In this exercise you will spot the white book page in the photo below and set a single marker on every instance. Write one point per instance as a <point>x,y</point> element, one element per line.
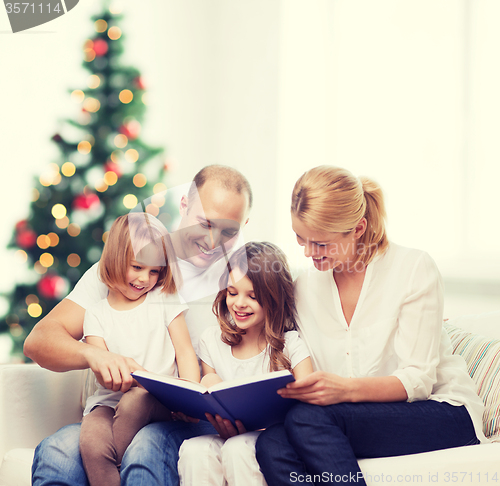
<point>180,382</point>
<point>250,379</point>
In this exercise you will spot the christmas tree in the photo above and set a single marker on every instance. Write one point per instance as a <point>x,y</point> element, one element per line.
<point>104,170</point>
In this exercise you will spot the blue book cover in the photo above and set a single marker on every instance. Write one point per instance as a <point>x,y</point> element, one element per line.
<point>253,400</point>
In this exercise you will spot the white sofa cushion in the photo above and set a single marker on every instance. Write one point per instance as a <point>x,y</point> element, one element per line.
<point>16,467</point>
<point>469,465</point>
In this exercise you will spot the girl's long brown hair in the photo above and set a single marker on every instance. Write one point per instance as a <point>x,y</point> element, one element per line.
<point>266,267</point>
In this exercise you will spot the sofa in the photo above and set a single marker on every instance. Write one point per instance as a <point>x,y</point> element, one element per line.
<point>35,402</point>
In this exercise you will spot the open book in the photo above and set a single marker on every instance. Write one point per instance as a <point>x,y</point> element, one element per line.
<point>252,400</point>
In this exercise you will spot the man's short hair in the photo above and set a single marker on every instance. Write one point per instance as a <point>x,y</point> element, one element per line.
<point>227,177</point>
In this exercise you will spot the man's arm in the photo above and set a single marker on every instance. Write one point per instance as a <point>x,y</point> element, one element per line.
<point>54,343</point>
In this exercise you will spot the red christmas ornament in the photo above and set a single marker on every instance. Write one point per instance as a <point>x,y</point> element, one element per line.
<point>139,83</point>
<point>86,201</point>
<point>52,286</point>
<point>26,238</point>
<point>110,166</point>
<point>100,47</point>
<point>131,129</point>
<point>21,225</point>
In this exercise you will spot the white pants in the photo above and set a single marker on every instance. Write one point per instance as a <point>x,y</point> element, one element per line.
<point>209,460</point>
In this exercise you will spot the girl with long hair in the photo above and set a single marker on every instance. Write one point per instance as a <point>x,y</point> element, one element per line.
<point>256,314</point>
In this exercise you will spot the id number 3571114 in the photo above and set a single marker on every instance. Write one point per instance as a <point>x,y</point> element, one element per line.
<point>27,8</point>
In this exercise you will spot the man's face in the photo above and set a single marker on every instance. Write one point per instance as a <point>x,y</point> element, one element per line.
<point>210,221</point>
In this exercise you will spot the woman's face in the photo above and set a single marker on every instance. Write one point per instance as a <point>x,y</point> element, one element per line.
<point>328,250</point>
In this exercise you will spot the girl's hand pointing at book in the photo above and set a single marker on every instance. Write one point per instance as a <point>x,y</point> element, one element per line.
<point>224,427</point>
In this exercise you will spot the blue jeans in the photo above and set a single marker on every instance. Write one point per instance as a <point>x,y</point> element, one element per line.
<point>326,441</point>
<point>150,459</point>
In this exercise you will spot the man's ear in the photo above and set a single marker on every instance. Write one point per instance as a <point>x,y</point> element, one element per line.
<point>183,207</point>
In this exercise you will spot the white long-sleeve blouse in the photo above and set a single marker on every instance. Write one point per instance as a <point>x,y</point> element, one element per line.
<point>396,329</point>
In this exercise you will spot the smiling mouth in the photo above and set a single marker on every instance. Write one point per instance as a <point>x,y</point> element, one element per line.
<point>137,287</point>
<point>207,252</point>
<point>243,314</point>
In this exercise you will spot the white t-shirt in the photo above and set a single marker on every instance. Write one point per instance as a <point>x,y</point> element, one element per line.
<point>89,290</point>
<point>219,355</point>
<point>396,329</point>
<point>140,333</point>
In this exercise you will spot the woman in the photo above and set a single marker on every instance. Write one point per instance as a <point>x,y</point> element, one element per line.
<point>386,382</point>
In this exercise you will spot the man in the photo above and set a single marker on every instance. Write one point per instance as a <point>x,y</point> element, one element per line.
<point>222,204</point>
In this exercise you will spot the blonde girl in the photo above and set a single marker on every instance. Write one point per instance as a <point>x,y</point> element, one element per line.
<point>256,314</point>
<point>141,319</point>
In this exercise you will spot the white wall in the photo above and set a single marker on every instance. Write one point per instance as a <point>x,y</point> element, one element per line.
<point>401,91</point>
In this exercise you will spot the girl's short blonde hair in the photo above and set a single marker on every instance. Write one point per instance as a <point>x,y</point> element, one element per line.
<point>142,237</point>
<point>332,200</point>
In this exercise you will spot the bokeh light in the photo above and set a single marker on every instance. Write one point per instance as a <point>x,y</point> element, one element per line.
<point>31,299</point>
<point>54,239</point>
<point>100,25</point>
<point>68,169</point>
<point>93,81</point>
<point>114,33</point>
<point>159,187</point>
<point>126,96</point>
<point>35,310</point>
<point>39,268</point>
<point>92,105</point>
<point>43,242</point>
<point>84,147</point>
<point>58,211</point>
<point>139,180</point>
<point>152,209</point>
<point>88,55</point>
<point>132,156</point>
<point>77,96</point>
<point>46,260</point>
<point>130,201</point>
<point>120,141</point>
<point>73,230</point>
<point>63,222</point>
<point>110,178</point>
<point>22,256</point>
<point>101,185</point>
<point>73,260</point>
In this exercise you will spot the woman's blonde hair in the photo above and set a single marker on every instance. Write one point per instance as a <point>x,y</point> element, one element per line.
<point>332,200</point>
<point>266,267</point>
<point>142,237</point>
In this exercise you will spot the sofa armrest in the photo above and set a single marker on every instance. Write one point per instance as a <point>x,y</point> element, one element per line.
<point>35,403</point>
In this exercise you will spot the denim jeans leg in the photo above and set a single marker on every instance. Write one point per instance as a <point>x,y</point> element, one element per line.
<point>329,439</point>
<point>151,458</point>
<point>57,460</point>
<point>277,458</point>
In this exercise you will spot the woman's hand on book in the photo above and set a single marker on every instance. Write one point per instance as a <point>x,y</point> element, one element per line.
<point>224,426</point>
<point>319,388</point>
